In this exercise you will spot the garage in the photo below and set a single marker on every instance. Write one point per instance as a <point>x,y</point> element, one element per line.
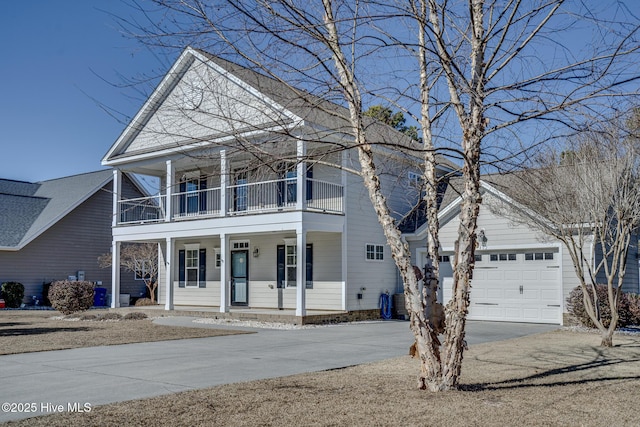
<point>521,285</point>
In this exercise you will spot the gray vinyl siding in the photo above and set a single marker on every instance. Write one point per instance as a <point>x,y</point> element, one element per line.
<point>630,283</point>
<point>73,244</point>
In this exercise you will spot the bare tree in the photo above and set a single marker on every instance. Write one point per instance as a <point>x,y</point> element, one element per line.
<point>587,196</point>
<point>140,259</point>
<point>481,73</point>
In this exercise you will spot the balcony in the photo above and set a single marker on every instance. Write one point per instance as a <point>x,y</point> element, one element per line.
<point>242,199</point>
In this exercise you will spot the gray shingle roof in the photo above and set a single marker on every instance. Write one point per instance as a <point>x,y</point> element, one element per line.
<point>28,209</point>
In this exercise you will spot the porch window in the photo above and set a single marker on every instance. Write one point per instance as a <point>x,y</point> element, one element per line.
<point>287,266</point>
<point>193,198</point>
<point>240,196</point>
<point>374,252</point>
<point>192,267</point>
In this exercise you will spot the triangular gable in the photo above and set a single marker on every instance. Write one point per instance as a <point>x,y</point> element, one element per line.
<point>197,101</point>
<point>51,202</point>
<point>448,212</point>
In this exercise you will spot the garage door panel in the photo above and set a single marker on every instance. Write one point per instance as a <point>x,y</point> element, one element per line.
<point>495,288</point>
<point>494,293</point>
<point>550,275</point>
<point>479,274</point>
<point>530,314</point>
<point>549,295</point>
<point>512,294</point>
<point>494,275</point>
<point>549,314</point>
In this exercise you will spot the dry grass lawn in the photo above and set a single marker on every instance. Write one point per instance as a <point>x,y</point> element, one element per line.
<point>31,330</point>
<point>560,378</point>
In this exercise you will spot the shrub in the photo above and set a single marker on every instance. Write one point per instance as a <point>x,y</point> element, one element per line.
<point>634,308</point>
<point>109,316</point>
<point>136,315</point>
<point>88,317</point>
<point>13,293</point>
<point>144,301</point>
<point>575,306</point>
<point>69,297</point>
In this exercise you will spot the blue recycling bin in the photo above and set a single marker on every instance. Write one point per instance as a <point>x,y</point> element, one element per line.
<point>100,297</point>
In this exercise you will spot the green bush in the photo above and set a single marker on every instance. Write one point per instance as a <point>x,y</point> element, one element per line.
<point>69,297</point>
<point>575,306</point>
<point>12,293</point>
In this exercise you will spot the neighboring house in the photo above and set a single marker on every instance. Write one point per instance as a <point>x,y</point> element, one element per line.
<point>234,229</point>
<point>55,229</point>
<point>520,275</point>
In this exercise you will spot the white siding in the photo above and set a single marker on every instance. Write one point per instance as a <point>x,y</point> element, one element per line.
<point>362,228</point>
<point>222,106</point>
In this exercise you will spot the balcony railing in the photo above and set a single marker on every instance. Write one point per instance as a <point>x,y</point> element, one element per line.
<point>258,197</point>
<point>196,203</point>
<point>143,209</point>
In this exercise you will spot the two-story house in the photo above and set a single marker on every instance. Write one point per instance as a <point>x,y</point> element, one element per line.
<point>260,202</point>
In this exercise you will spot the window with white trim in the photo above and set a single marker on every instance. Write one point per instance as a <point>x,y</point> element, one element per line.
<point>239,244</point>
<point>538,256</point>
<point>192,263</point>
<point>291,265</point>
<point>374,252</point>
<point>503,257</point>
<point>218,258</point>
<point>415,179</point>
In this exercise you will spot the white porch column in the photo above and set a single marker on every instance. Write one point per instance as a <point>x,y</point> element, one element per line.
<point>224,176</point>
<point>168,261</point>
<point>168,192</point>
<point>225,273</point>
<point>117,189</point>
<point>115,274</point>
<point>301,284</point>
<point>301,175</point>
<point>343,182</point>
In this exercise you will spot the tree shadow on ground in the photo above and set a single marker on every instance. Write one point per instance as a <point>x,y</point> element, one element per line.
<point>12,332</point>
<point>600,360</point>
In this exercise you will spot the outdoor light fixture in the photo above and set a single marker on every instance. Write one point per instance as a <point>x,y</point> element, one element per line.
<point>483,239</point>
<point>256,252</point>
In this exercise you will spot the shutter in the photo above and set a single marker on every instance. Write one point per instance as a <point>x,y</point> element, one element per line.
<point>183,198</point>
<point>202,273</point>
<point>309,267</point>
<point>281,184</point>
<point>203,194</point>
<point>280,267</point>
<point>181,268</point>
<point>309,195</point>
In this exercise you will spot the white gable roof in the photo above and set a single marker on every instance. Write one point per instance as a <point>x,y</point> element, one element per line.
<point>197,101</point>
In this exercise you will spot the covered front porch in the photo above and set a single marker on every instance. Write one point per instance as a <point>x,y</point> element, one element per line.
<point>242,265</point>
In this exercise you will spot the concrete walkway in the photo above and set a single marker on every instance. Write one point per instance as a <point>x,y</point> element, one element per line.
<point>101,375</point>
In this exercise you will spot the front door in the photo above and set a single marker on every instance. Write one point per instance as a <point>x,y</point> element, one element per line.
<point>239,278</point>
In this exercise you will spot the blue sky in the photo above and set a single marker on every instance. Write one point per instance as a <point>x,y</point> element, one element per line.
<point>58,59</point>
<point>56,56</point>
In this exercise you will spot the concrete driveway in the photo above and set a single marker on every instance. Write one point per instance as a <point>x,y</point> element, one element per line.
<point>42,383</point>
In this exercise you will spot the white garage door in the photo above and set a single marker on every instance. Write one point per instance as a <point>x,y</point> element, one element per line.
<point>513,286</point>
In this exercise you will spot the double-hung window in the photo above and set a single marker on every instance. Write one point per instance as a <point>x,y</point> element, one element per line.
<point>287,266</point>
<point>192,267</point>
